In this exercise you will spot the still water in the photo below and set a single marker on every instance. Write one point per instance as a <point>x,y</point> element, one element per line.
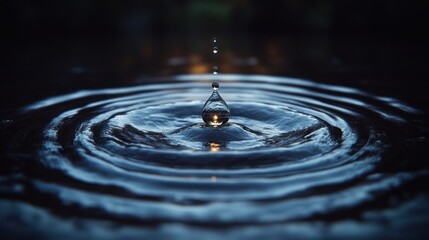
<point>296,158</point>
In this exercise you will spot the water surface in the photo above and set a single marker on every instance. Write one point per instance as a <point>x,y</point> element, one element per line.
<point>296,158</point>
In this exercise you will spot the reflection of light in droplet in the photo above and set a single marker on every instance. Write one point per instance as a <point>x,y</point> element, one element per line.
<point>215,50</point>
<point>215,70</point>
<point>214,147</point>
<point>215,121</point>
<point>213,179</point>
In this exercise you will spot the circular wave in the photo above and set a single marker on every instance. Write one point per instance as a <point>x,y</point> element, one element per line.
<point>292,150</point>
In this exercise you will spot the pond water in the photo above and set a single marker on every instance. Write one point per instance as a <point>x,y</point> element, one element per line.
<point>296,158</point>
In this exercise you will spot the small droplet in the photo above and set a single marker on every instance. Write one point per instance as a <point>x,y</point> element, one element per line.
<point>215,85</point>
<point>215,50</point>
<point>215,70</point>
<point>214,39</point>
<point>215,111</point>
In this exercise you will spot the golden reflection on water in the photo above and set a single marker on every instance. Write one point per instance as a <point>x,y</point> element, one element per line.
<point>214,147</point>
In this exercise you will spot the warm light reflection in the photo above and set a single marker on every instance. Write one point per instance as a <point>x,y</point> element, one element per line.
<point>214,147</point>
<point>213,179</point>
<point>215,121</point>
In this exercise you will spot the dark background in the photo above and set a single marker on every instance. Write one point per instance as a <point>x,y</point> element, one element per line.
<point>54,47</point>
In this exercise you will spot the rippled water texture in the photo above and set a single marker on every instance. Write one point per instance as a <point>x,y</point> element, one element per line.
<point>296,158</point>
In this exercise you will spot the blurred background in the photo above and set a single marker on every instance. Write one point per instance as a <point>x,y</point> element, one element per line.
<point>55,47</point>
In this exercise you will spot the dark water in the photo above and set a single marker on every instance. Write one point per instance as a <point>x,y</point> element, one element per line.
<point>296,159</point>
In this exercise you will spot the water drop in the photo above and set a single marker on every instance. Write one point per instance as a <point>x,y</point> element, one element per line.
<point>215,70</point>
<point>214,39</point>
<point>215,50</point>
<point>215,111</point>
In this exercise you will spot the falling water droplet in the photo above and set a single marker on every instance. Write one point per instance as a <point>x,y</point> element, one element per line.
<point>215,111</point>
<point>214,39</point>
<point>215,70</point>
<point>215,50</point>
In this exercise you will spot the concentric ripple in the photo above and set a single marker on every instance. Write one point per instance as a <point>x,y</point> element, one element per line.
<point>293,150</point>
